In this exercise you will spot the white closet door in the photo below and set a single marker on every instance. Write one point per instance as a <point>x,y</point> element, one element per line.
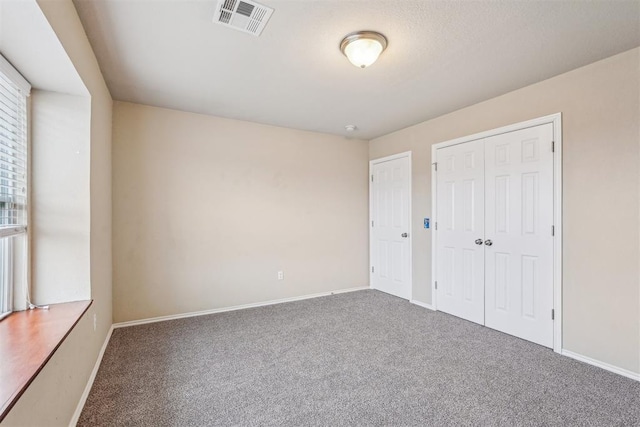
<point>518,233</point>
<point>460,213</point>
<point>390,215</point>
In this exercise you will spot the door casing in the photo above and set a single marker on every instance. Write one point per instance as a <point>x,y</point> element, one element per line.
<point>371,241</point>
<point>556,120</point>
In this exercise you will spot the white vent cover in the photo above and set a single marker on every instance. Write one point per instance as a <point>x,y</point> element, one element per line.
<point>243,15</point>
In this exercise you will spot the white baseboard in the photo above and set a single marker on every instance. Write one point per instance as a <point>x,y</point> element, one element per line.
<point>422,304</point>
<point>603,365</point>
<point>233,308</point>
<point>92,377</point>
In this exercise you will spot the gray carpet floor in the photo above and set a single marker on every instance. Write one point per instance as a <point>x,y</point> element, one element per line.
<point>362,358</point>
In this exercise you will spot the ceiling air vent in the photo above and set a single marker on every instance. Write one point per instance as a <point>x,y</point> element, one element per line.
<point>243,15</point>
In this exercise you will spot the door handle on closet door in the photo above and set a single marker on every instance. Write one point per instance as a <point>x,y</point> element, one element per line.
<point>478,241</point>
<point>488,242</point>
<point>404,235</point>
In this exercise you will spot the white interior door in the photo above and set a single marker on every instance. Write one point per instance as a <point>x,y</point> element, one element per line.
<point>460,205</point>
<point>390,254</point>
<point>518,233</point>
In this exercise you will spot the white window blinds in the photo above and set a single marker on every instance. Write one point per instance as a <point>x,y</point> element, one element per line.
<point>13,150</point>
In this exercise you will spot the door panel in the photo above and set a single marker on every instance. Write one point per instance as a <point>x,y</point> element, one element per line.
<point>390,215</point>
<point>460,262</point>
<point>519,211</point>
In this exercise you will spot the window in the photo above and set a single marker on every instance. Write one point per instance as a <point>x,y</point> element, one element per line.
<point>14,163</point>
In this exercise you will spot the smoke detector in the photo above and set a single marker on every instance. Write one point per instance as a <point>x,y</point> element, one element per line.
<point>243,15</point>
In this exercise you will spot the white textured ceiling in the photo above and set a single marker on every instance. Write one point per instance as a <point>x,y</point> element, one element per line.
<point>29,43</point>
<point>442,56</point>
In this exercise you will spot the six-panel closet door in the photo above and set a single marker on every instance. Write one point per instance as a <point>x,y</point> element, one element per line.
<point>494,251</point>
<point>460,254</point>
<point>519,221</point>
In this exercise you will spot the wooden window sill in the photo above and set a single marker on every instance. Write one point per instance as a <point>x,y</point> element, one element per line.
<point>28,339</point>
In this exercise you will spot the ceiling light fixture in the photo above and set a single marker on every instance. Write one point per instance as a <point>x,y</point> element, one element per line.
<point>350,128</point>
<point>363,48</point>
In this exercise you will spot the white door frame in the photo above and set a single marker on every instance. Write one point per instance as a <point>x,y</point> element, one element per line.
<point>556,120</point>
<point>371,163</point>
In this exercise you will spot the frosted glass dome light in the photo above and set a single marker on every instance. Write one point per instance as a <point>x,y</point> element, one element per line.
<point>363,48</point>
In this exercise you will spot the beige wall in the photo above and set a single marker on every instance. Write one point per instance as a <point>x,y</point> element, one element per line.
<point>52,398</point>
<point>600,106</point>
<point>60,209</point>
<point>206,211</point>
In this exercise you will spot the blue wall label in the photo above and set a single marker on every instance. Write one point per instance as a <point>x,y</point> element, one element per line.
<point>426,223</point>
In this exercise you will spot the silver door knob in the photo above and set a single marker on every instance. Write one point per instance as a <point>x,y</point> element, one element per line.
<point>405,235</point>
<point>478,241</point>
<point>488,242</point>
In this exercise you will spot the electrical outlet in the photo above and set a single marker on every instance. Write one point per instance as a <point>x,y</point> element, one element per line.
<point>280,275</point>
<point>95,322</point>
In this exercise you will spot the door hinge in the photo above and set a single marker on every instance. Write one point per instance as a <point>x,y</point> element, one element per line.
<point>436,285</point>
<point>371,178</point>
<point>553,314</point>
<point>373,269</point>
<point>553,230</point>
<point>435,225</point>
<point>372,223</point>
<point>436,166</point>
<point>553,146</point>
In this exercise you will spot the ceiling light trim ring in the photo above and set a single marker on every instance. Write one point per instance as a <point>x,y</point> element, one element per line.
<point>357,35</point>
